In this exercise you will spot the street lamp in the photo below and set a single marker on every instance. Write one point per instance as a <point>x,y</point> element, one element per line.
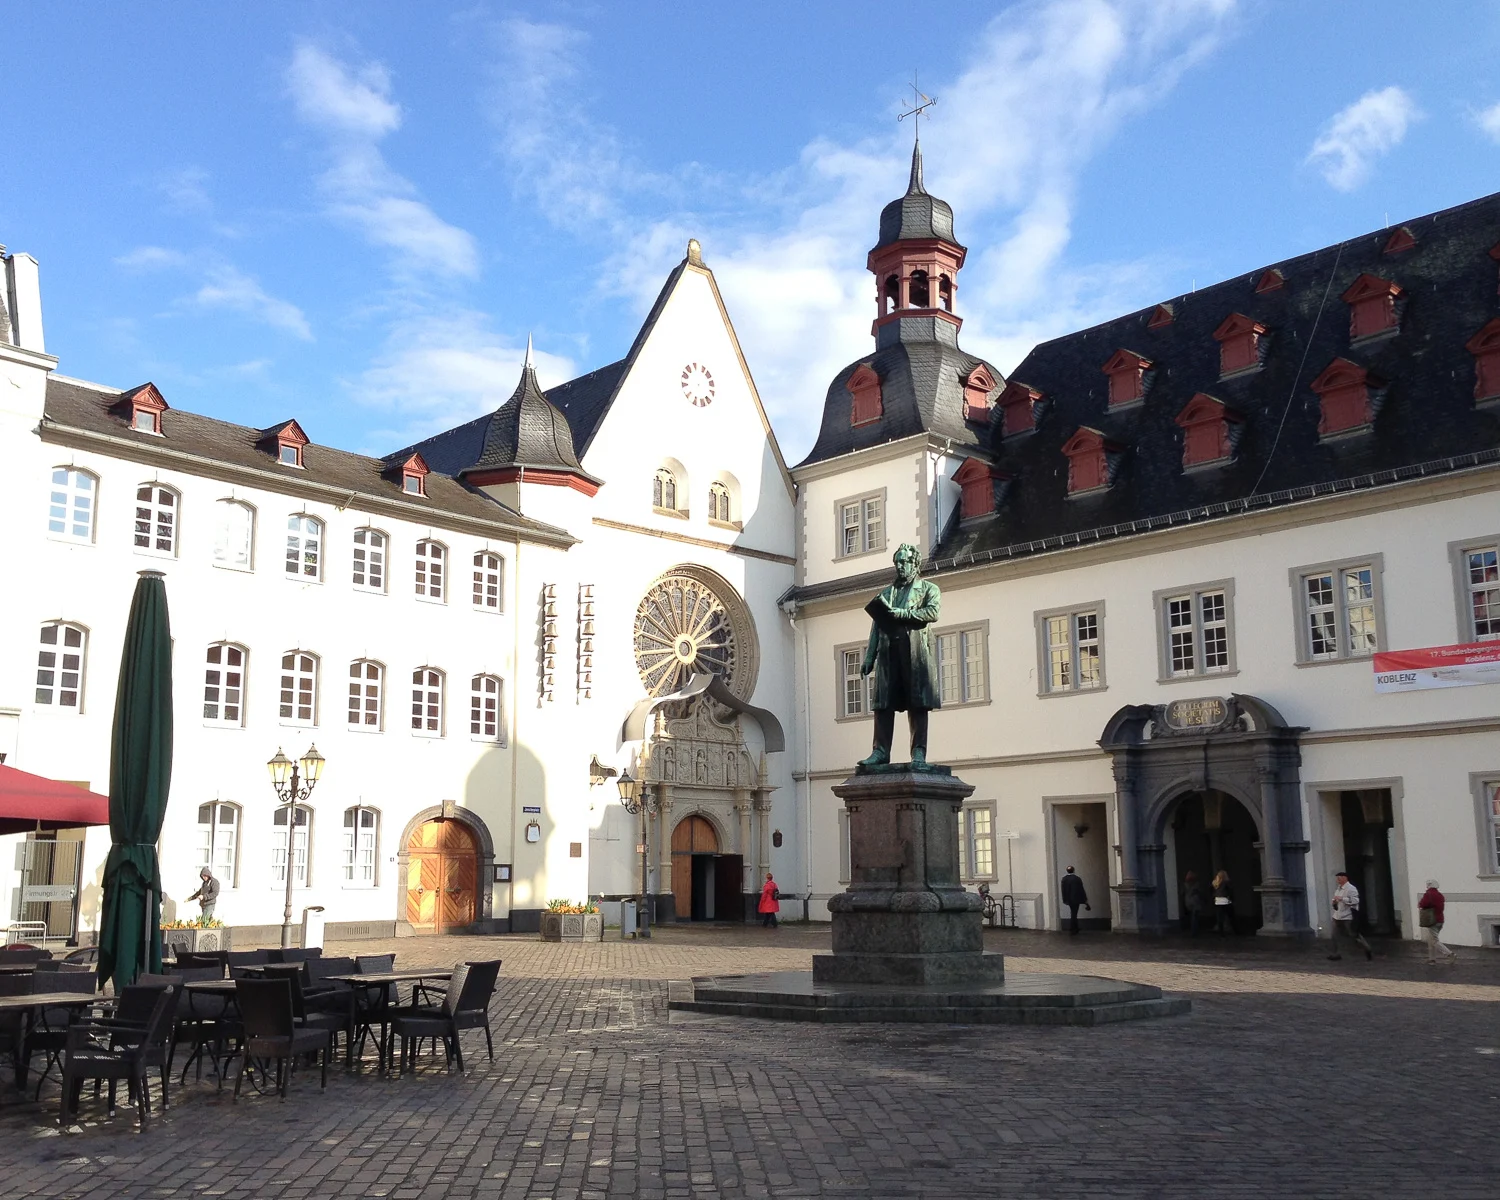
<point>632,796</point>
<point>294,782</point>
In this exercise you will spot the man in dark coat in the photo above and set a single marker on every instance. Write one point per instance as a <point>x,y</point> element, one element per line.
<point>900,654</point>
<point>1072,896</point>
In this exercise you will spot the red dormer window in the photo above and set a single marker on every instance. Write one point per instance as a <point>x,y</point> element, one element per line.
<point>864,391</point>
<point>289,443</point>
<point>1399,241</point>
<point>1127,376</point>
<point>1208,431</point>
<point>146,407</point>
<point>414,472</point>
<point>1485,347</point>
<point>977,388</point>
<point>1344,396</point>
<point>1020,407</point>
<point>1372,305</point>
<point>1270,279</point>
<point>1239,343</point>
<point>1160,315</point>
<point>977,481</point>
<point>1091,461</point>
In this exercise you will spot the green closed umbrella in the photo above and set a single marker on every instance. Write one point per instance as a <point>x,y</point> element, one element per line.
<point>140,774</point>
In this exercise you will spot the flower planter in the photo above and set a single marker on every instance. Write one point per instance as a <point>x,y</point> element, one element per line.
<point>572,927</point>
<point>196,941</point>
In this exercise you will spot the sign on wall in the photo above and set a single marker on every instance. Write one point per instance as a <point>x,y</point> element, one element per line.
<point>1205,712</point>
<point>1437,667</point>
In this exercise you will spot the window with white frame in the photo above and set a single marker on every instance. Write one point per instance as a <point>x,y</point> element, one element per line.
<point>59,665</point>
<point>72,503</point>
<point>301,835</point>
<point>219,840</point>
<point>855,690</point>
<point>366,693</point>
<point>156,510</point>
<point>718,502</point>
<point>304,547</point>
<point>1338,610</point>
<point>361,834</point>
<point>427,702</point>
<point>487,708</point>
<point>664,490</point>
<point>1071,644</point>
<point>978,834</point>
<point>1196,627</point>
<point>369,560</point>
<point>1489,817</point>
<point>1479,591</point>
<point>224,685</point>
<point>234,535</point>
<point>861,525</point>
<point>299,688</point>
<point>962,674</point>
<point>488,578</point>
<point>431,556</point>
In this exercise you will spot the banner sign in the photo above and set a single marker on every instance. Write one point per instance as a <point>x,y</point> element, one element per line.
<point>1438,667</point>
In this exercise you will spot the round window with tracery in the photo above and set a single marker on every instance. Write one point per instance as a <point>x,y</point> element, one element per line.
<point>684,626</point>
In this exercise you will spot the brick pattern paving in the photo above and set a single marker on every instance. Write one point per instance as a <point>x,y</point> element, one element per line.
<point>1293,1077</point>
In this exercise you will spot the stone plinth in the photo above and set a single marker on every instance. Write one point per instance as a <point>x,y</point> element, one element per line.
<point>905,920</point>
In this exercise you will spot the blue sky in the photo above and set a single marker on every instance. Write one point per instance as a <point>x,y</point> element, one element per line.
<point>355,214</point>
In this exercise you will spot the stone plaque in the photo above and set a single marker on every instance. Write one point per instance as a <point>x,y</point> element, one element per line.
<point>1206,712</point>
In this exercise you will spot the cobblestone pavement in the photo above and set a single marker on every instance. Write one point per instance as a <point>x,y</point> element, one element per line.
<point>1292,1077</point>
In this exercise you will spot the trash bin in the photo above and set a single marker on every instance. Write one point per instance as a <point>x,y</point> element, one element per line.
<point>628,912</point>
<point>312,927</point>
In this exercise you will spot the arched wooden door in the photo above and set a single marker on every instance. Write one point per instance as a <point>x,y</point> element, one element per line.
<point>442,876</point>
<point>693,835</point>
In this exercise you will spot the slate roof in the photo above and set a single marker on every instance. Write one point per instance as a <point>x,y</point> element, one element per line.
<point>1427,412</point>
<point>74,405</point>
<point>916,214</point>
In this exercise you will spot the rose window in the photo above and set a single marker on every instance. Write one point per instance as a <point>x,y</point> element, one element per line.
<point>683,628</point>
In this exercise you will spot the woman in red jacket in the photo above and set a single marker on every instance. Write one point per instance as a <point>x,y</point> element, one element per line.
<point>769,905</point>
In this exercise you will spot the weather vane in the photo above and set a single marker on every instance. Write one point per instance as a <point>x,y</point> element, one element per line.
<point>919,105</point>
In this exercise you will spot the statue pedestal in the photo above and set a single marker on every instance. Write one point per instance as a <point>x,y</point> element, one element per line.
<point>905,920</point>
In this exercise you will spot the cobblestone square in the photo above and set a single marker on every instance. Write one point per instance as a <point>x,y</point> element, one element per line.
<point>1293,1076</point>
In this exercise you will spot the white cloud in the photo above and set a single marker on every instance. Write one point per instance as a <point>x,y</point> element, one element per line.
<point>1346,150</point>
<point>152,258</point>
<point>228,287</point>
<point>1488,120</point>
<point>186,190</point>
<point>352,107</point>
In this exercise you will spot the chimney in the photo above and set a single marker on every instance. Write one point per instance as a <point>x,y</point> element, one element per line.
<point>23,304</point>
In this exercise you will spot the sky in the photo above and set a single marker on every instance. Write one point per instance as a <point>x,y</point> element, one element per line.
<point>355,215</point>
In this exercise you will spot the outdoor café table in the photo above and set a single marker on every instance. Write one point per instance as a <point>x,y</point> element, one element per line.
<point>30,1006</point>
<point>210,987</point>
<point>392,978</point>
<point>26,968</point>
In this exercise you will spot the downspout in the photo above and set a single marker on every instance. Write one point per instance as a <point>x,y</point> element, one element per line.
<point>807,876</point>
<point>515,735</point>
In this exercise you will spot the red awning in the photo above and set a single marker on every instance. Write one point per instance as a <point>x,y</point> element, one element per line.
<point>26,800</point>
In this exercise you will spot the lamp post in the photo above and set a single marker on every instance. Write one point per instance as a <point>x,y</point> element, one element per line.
<point>633,797</point>
<point>294,782</point>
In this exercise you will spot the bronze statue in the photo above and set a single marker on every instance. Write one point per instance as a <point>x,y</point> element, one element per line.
<point>900,654</point>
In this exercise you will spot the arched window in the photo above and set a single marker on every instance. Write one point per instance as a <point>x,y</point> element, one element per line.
<point>156,518</point>
<point>431,556</point>
<point>234,535</point>
<point>361,845</point>
<point>945,293</point>
<point>224,685</point>
<point>299,688</point>
<point>489,578</point>
<point>219,841</point>
<point>73,502</point>
<point>427,702</point>
<point>718,502</point>
<point>664,490</point>
<point>369,560</point>
<point>487,708</point>
<point>891,295</point>
<point>59,665</point>
<point>919,292</point>
<point>366,695</point>
<point>304,547</point>
<point>301,836</point>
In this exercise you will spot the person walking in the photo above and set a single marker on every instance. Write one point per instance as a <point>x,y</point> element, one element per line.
<point>1345,914</point>
<point>1430,921</point>
<point>207,894</point>
<point>1072,896</point>
<point>1223,905</point>
<point>1192,901</point>
<point>770,903</point>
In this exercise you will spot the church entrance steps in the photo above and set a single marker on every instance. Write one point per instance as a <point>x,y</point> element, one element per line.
<point>1022,999</point>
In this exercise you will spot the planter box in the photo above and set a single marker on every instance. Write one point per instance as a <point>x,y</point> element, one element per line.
<point>572,927</point>
<point>196,941</point>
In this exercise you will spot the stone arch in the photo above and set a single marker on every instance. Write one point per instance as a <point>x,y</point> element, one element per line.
<point>484,905</point>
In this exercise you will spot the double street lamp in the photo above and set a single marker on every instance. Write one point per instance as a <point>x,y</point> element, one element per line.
<point>294,782</point>
<point>633,797</point>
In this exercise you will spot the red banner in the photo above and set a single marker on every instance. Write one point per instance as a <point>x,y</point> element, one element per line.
<point>1438,667</point>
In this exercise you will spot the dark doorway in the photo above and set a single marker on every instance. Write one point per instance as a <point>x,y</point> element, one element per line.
<point>1213,832</point>
<point>729,901</point>
<point>1367,820</point>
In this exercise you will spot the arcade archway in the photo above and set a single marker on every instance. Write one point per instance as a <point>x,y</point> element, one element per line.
<point>1208,832</point>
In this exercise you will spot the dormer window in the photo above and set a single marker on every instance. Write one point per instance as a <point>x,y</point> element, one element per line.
<point>1127,377</point>
<point>1209,431</point>
<point>1344,396</point>
<point>290,455</point>
<point>1485,347</point>
<point>1372,306</point>
<point>1020,408</point>
<point>1239,341</point>
<point>412,485</point>
<point>1160,315</point>
<point>978,385</point>
<point>143,407</point>
<point>1270,280</point>
<point>414,472</point>
<point>976,481</point>
<point>1092,461</point>
<point>1400,241</point>
<point>289,441</point>
<point>146,421</point>
<point>864,391</point>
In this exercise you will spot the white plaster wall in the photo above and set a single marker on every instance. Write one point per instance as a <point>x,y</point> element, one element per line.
<point>903,479</point>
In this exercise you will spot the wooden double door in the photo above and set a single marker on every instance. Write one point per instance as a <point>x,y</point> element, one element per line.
<point>705,883</point>
<point>442,876</point>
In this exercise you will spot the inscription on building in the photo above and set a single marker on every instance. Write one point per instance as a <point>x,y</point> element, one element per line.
<point>1208,712</point>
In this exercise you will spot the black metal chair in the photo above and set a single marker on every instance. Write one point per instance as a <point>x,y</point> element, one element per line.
<point>238,960</point>
<point>90,1054</point>
<point>189,959</point>
<point>199,1018</point>
<point>271,1031</point>
<point>294,954</point>
<point>49,1031</point>
<point>466,1006</point>
<point>337,1017</point>
<point>57,966</point>
<point>11,955</point>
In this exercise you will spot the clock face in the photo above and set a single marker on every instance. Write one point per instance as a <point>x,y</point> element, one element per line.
<point>697,384</point>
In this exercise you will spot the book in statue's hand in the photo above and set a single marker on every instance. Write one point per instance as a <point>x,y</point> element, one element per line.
<point>885,618</point>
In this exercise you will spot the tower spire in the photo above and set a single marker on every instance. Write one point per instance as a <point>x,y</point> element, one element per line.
<point>914,186</point>
<point>530,364</point>
<point>920,103</point>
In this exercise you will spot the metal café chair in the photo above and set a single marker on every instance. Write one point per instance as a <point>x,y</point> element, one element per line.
<point>271,1031</point>
<point>90,1055</point>
<point>466,1006</point>
<point>49,1033</point>
<point>238,960</point>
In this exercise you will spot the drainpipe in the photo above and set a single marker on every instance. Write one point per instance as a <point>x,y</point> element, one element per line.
<point>801,632</point>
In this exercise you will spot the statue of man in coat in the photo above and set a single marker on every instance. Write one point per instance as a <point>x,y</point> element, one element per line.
<point>900,654</point>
